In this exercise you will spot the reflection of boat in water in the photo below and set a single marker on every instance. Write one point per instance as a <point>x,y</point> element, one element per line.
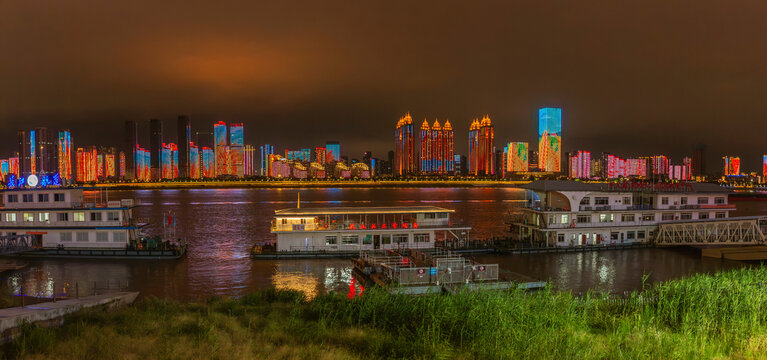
<point>415,272</point>
<point>58,222</point>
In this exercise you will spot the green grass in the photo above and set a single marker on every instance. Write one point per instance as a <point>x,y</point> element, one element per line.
<point>700,317</point>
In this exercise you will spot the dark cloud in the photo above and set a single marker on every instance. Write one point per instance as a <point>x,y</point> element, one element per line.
<point>633,78</point>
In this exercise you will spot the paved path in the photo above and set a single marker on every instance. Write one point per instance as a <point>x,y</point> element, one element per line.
<point>53,312</point>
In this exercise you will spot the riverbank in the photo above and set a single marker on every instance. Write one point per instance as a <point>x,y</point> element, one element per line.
<point>704,316</point>
<point>305,184</point>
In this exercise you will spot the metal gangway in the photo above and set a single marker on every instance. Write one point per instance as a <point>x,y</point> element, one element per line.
<point>14,244</point>
<point>747,230</point>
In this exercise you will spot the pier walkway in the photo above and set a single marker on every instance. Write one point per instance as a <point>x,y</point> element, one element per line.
<point>52,313</point>
<point>14,244</point>
<point>747,230</point>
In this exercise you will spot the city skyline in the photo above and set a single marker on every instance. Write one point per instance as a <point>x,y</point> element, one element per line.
<point>664,86</point>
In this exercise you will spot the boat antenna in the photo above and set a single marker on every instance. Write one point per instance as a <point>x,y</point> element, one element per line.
<point>298,203</point>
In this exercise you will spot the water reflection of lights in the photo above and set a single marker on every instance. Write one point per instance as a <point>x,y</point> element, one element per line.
<point>305,283</point>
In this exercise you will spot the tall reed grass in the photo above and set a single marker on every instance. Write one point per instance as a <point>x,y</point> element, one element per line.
<point>704,316</point>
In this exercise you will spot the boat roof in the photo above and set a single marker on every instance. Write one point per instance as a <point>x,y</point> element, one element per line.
<point>361,210</point>
<point>569,185</point>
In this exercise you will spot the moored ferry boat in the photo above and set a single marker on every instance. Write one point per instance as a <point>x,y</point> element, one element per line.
<point>574,214</point>
<point>60,223</point>
<point>349,230</point>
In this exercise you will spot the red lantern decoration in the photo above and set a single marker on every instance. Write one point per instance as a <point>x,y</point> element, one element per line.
<point>404,225</point>
<point>351,226</point>
<point>373,226</point>
<point>393,225</point>
<point>362,227</point>
<point>415,225</point>
<point>383,226</point>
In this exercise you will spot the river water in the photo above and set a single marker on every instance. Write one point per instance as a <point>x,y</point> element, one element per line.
<point>220,226</point>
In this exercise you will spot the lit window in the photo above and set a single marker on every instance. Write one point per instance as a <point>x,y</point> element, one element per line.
<point>565,219</point>
<point>10,217</point>
<point>44,217</point>
<point>350,239</point>
<point>331,239</point>
<point>78,216</point>
<point>29,217</point>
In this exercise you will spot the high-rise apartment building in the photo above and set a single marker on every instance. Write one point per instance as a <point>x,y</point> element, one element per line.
<point>482,147</point>
<point>266,151</point>
<point>550,139</point>
<point>130,148</point>
<point>155,146</point>
<point>436,144</point>
<point>333,150</point>
<point>404,147</point>
<point>184,133</point>
<point>220,148</point>
<point>64,150</point>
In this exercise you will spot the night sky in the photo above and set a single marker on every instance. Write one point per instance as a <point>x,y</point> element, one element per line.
<point>633,77</point>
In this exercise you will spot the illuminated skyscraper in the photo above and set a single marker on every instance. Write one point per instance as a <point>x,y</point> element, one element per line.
<point>87,164</point>
<point>23,152</point>
<point>169,161</point>
<point>550,139</point>
<point>482,147</point>
<point>660,164</point>
<point>194,161</point>
<point>249,160</point>
<point>731,166</point>
<point>37,152</point>
<point>65,155</point>
<point>266,151</point>
<point>184,131</point>
<point>155,146</point>
<point>207,169</point>
<point>320,155</point>
<point>404,147</point>
<point>236,145</point>
<point>436,153</point>
<point>220,149</point>
<point>516,158</point>
<point>333,149</point>
<point>121,160</point>
<point>764,167</point>
<point>425,154</point>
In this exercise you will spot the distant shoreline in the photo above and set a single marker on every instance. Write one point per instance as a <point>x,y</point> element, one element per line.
<point>306,184</point>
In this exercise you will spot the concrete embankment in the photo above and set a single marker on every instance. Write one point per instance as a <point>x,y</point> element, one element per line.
<point>53,313</point>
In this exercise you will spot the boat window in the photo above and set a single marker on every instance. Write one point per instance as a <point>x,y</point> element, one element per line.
<point>627,218</point>
<point>640,234</point>
<point>719,200</point>
<point>442,215</point>
<point>96,216</point>
<point>613,236</point>
<point>58,197</point>
<point>82,236</point>
<point>385,239</point>
<point>62,217</point>
<point>560,237</point>
<point>630,235</point>
<point>102,236</point>
<point>648,217</point>
<point>584,218</point>
<point>29,217</point>
<point>13,198</point>
<point>627,200</point>
<point>367,239</point>
<point>350,239</point>
<point>664,200</point>
<point>10,217</point>
<point>586,201</point>
<point>119,236</point>
<point>44,217</point>
<point>27,198</point>
<point>420,237</point>
<point>683,200</point>
<point>113,216</point>
<point>78,216</point>
<point>42,197</point>
<point>565,219</point>
<point>429,215</point>
<point>65,236</point>
<point>605,217</point>
<point>703,200</point>
<point>399,238</point>
<point>667,216</point>
<point>601,201</point>
<point>719,215</point>
<point>331,240</point>
<point>686,216</point>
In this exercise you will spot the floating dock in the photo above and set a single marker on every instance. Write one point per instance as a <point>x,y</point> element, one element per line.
<point>53,313</point>
<point>739,253</point>
<point>416,272</point>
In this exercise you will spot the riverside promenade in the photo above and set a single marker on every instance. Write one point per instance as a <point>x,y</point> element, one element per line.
<point>53,313</point>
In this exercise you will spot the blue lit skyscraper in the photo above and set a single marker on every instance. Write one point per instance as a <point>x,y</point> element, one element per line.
<point>550,139</point>
<point>266,150</point>
<point>333,150</point>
